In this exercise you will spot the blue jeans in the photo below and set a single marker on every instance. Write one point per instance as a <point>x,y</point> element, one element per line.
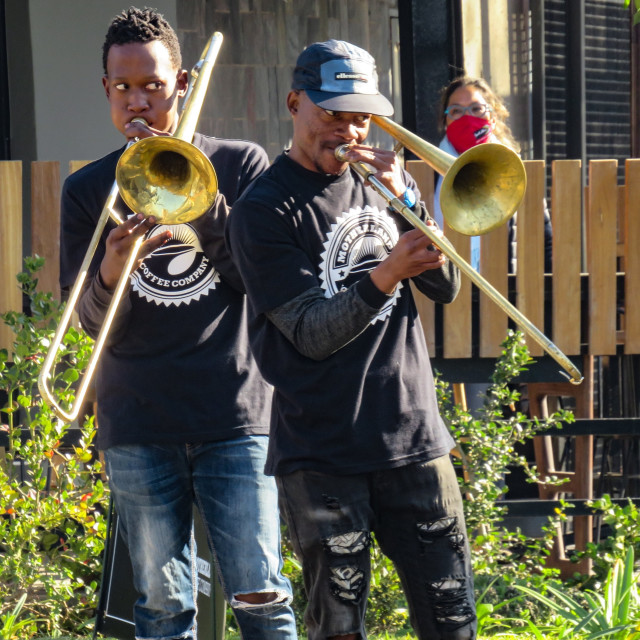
<point>154,489</point>
<point>415,512</point>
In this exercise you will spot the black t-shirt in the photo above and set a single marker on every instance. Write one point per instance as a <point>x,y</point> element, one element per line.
<point>371,404</point>
<point>177,367</point>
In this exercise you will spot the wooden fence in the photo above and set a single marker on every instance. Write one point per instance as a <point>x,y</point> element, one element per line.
<point>589,311</point>
<point>584,312</point>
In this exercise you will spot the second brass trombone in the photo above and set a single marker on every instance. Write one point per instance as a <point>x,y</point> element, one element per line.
<point>480,191</point>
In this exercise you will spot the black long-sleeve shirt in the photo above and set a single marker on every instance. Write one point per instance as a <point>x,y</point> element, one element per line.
<point>362,397</point>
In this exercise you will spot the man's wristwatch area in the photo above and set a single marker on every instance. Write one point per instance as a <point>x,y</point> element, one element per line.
<point>409,198</point>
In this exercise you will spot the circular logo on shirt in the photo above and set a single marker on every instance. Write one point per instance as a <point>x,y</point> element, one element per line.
<point>176,273</point>
<point>358,241</point>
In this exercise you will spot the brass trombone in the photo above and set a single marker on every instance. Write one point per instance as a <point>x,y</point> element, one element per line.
<point>480,191</point>
<point>167,177</point>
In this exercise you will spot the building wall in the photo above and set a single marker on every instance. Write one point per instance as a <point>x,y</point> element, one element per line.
<point>70,112</point>
<point>69,118</point>
<point>431,55</point>
<point>58,110</point>
<point>262,40</point>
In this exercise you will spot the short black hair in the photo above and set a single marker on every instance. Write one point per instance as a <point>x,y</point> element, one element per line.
<point>141,25</point>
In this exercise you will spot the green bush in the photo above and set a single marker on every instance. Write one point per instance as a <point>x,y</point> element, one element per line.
<point>52,499</point>
<point>624,525</point>
<point>487,453</point>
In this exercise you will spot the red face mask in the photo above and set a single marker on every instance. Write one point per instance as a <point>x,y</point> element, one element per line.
<point>468,131</point>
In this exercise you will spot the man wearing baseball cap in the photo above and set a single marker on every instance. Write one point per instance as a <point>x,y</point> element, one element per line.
<point>356,442</point>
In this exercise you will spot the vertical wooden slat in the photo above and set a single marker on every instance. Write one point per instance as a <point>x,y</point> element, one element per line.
<point>632,257</point>
<point>45,222</point>
<point>10,243</point>
<point>424,176</point>
<point>601,255</point>
<point>472,44</point>
<point>493,320</point>
<point>457,315</point>
<point>566,213</point>
<point>530,244</point>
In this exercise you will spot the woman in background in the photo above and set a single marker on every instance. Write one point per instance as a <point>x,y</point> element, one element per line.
<point>471,114</point>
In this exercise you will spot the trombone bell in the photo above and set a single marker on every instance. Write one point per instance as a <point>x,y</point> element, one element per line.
<point>480,190</point>
<point>167,178</point>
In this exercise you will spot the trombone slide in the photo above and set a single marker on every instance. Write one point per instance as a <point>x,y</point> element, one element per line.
<point>45,372</point>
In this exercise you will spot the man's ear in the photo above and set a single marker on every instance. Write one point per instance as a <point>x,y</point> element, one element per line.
<point>105,84</point>
<point>182,82</point>
<point>293,101</point>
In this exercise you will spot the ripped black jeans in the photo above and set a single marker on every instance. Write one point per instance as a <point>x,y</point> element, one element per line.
<point>416,514</point>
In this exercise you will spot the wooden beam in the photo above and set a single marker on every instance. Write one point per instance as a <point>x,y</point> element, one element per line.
<point>10,243</point>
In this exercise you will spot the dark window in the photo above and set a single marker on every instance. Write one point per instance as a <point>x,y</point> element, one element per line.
<point>5,151</point>
<point>607,80</point>
<point>555,66</point>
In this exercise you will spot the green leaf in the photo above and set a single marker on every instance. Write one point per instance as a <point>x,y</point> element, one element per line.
<point>24,401</point>
<point>628,583</point>
<point>610,632</point>
<point>585,622</point>
<point>70,375</point>
<point>483,610</point>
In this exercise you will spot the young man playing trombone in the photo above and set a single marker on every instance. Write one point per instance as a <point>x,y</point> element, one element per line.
<point>182,410</point>
<point>357,445</point>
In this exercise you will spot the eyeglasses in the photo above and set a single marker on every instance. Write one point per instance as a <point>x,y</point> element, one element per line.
<point>360,118</point>
<point>477,109</point>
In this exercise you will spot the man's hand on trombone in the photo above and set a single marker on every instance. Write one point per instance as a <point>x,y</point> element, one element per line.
<point>384,164</point>
<point>120,242</point>
<point>415,252</point>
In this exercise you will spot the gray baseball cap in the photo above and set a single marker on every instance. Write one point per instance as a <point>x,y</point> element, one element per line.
<point>339,76</point>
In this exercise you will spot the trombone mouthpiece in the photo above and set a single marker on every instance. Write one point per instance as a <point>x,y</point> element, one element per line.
<point>341,152</point>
